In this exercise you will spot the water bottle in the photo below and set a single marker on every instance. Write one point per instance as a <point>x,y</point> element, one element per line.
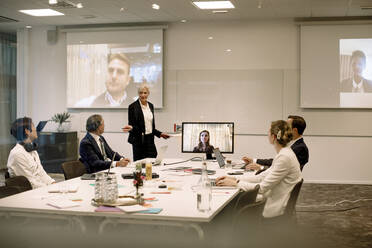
<point>110,194</point>
<point>204,193</point>
<point>99,187</point>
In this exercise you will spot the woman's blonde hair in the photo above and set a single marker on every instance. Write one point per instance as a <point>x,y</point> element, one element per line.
<point>282,131</point>
<point>142,87</point>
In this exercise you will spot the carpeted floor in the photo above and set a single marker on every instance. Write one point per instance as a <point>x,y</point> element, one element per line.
<point>348,224</point>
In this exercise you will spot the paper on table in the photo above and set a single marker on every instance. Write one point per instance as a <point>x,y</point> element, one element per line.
<point>62,203</point>
<point>107,209</point>
<point>132,209</point>
<point>55,188</point>
<point>126,191</point>
<point>151,211</point>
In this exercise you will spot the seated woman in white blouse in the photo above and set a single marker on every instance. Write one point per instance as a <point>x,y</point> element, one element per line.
<point>277,182</point>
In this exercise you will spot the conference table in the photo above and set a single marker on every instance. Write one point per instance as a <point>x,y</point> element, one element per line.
<point>178,203</point>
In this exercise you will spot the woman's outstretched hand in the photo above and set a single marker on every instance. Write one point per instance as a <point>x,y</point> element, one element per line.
<point>164,136</point>
<point>127,128</point>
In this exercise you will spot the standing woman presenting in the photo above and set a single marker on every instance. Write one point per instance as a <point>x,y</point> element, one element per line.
<point>141,126</point>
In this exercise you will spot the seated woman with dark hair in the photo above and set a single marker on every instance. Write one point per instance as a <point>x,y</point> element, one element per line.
<point>277,182</point>
<point>203,145</point>
<point>23,159</point>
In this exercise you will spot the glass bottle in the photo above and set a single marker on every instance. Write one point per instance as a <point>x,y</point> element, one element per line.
<point>204,193</point>
<point>148,171</point>
<point>110,188</point>
<point>98,187</point>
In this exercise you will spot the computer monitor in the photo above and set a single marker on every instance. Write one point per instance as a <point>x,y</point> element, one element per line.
<point>220,135</point>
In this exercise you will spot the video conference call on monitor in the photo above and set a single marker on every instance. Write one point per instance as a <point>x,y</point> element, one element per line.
<point>203,137</point>
<point>105,69</point>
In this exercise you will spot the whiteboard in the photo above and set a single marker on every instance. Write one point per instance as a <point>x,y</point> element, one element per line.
<point>249,98</point>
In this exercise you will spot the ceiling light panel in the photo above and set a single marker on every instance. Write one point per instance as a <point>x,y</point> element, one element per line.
<point>41,12</point>
<point>214,4</point>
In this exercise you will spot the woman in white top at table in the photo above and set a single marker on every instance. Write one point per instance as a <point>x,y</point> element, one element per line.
<point>277,182</point>
<point>141,126</point>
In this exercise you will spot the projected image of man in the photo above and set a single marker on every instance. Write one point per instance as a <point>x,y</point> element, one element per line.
<point>357,83</point>
<point>117,82</point>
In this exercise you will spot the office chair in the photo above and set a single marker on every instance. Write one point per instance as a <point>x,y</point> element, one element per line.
<point>290,209</point>
<point>246,197</point>
<point>73,169</point>
<point>8,191</point>
<point>21,182</point>
<point>247,223</point>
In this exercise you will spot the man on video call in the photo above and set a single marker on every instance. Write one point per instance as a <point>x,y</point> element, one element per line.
<point>117,82</point>
<point>117,91</point>
<point>357,84</point>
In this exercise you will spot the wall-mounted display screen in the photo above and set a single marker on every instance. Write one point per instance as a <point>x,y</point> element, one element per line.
<point>105,68</point>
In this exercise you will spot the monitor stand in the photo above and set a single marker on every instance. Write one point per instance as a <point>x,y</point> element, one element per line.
<point>209,156</point>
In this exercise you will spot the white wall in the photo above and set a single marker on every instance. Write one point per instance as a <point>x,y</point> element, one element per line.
<point>255,46</point>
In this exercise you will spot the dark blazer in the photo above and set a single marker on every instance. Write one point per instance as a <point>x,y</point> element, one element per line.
<point>299,148</point>
<point>137,121</point>
<point>91,156</point>
<point>347,85</point>
<point>209,149</point>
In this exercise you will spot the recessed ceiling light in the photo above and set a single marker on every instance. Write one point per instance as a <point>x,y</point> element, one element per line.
<point>210,38</point>
<point>219,11</point>
<point>228,50</point>
<point>214,4</point>
<point>79,5</point>
<point>41,12</point>
<point>155,6</point>
<point>183,21</point>
<point>28,26</point>
<point>122,9</point>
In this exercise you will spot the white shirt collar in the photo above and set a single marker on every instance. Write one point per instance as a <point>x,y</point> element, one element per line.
<point>144,106</point>
<point>358,85</point>
<point>95,136</point>
<point>293,141</point>
<point>108,97</point>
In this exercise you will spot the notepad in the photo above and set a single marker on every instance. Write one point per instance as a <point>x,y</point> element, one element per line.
<point>133,208</point>
<point>62,203</point>
<point>151,211</point>
<point>55,188</point>
<point>108,209</point>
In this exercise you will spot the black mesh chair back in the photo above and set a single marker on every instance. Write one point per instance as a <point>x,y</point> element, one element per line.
<point>73,169</point>
<point>291,205</point>
<point>247,222</point>
<point>246,197</point>
<point>21,182</point>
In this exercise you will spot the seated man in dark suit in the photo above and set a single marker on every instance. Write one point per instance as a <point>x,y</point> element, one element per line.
<point>95,153</point>
<point>297,144</point>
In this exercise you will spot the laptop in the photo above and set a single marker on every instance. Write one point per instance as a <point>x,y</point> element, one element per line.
<point>221,160</point>
<point>41,126</point>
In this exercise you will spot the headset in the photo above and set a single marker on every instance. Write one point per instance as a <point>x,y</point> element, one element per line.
<point>29,147</point>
